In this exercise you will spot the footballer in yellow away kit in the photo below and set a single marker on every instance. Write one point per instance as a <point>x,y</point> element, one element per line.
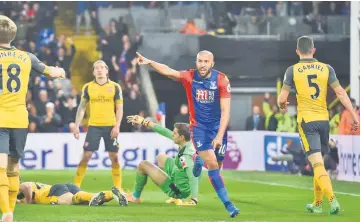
<point>311,78</point>
<point>63,194</point>
<point>106,112</point>
<point>15,69</point>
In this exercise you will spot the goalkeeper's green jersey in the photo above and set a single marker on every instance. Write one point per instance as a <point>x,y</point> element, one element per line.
<point>183,160</point>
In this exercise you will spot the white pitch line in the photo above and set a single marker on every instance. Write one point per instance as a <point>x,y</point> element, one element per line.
<point>290,186</point>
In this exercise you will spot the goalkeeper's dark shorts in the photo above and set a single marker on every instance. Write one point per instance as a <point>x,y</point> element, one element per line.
<point>60,189</point>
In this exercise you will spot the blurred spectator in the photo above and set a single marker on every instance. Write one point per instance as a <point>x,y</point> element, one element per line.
<point>125,65</point>
<point>330,157</point>
<point>83,10</point>
<point>45,15</point>
<point>65,58</point>
<point>7,9</point>
<point>133,105</point>
<point>41,103</point>
<point>346,121</point>
<point>227,23</point>
<point>60,43</point>
<point>256,121</point>
<point>272,115</point>
<point>33,118</point>
<point>281,9</point>
<point>51,121</point>
<point>332,10</point>
<point>269,7</point>
<point>183,116</point>
<point>345,9</point>
<point>335,119</point>
<point>32,48</point>
<point>254,25</point>
<point>76,97</point>
<point>68,111</point>
<point>191,28</point>
<point>51,91</point>
<point>49,58</point>
<point>121,26</point>
<point>285,123</point>
<point>295,8</point>
<point>292,153</point>
<point>317,23</point>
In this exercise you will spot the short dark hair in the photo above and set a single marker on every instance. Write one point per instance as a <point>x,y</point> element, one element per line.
<point>183,130</point>
<point>305,44</point>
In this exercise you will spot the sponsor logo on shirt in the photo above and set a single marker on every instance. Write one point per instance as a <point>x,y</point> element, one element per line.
<point>204,96</point>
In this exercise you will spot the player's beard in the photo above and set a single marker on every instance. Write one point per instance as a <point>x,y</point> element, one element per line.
<point>204,74</point>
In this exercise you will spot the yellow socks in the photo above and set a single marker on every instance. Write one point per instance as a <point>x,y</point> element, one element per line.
<point>14,185</point>
<point>117,176</point>
<point>4,192</point>
<point>318,193</point>
<point>80,173</point>
<point>108,196</point>
<point>323,180</point>
<point>82,197</point>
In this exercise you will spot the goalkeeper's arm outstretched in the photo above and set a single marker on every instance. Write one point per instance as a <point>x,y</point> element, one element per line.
<point>173,175</point>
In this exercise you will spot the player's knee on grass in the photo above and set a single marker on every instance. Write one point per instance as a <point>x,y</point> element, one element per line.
<point>161,159</point>
<point>66,199</point>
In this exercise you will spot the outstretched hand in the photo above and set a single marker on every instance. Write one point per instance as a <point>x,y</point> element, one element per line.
<point>135,119</point>
<point>141,60</point>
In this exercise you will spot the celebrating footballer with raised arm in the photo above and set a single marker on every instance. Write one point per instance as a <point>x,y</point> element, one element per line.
<point>209,98</point>
<point>15,69</point>
<point>106,112</point>
<point>310,78</point>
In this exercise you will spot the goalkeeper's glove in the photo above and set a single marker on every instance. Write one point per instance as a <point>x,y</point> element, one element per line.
<point>191,202</point>
<point>174,200</point>
<point>136,119</point>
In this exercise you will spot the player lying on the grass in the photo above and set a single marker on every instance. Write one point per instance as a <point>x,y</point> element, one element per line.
<point>65,194</point>
<point>176,178</point>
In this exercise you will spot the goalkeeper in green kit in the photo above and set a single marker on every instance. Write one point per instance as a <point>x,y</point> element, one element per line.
<point>174,176</point>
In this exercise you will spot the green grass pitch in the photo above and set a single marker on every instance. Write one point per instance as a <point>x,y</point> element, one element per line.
<point>261,196</point>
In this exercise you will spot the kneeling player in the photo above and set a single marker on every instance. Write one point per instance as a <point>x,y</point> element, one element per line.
<point>176,179</point>
<point>65,194</point>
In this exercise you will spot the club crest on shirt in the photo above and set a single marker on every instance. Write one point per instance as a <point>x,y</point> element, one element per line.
<point>213,85</point>
<point>110,89</point>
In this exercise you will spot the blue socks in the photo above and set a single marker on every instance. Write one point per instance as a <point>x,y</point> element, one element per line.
<point>218,185</point>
